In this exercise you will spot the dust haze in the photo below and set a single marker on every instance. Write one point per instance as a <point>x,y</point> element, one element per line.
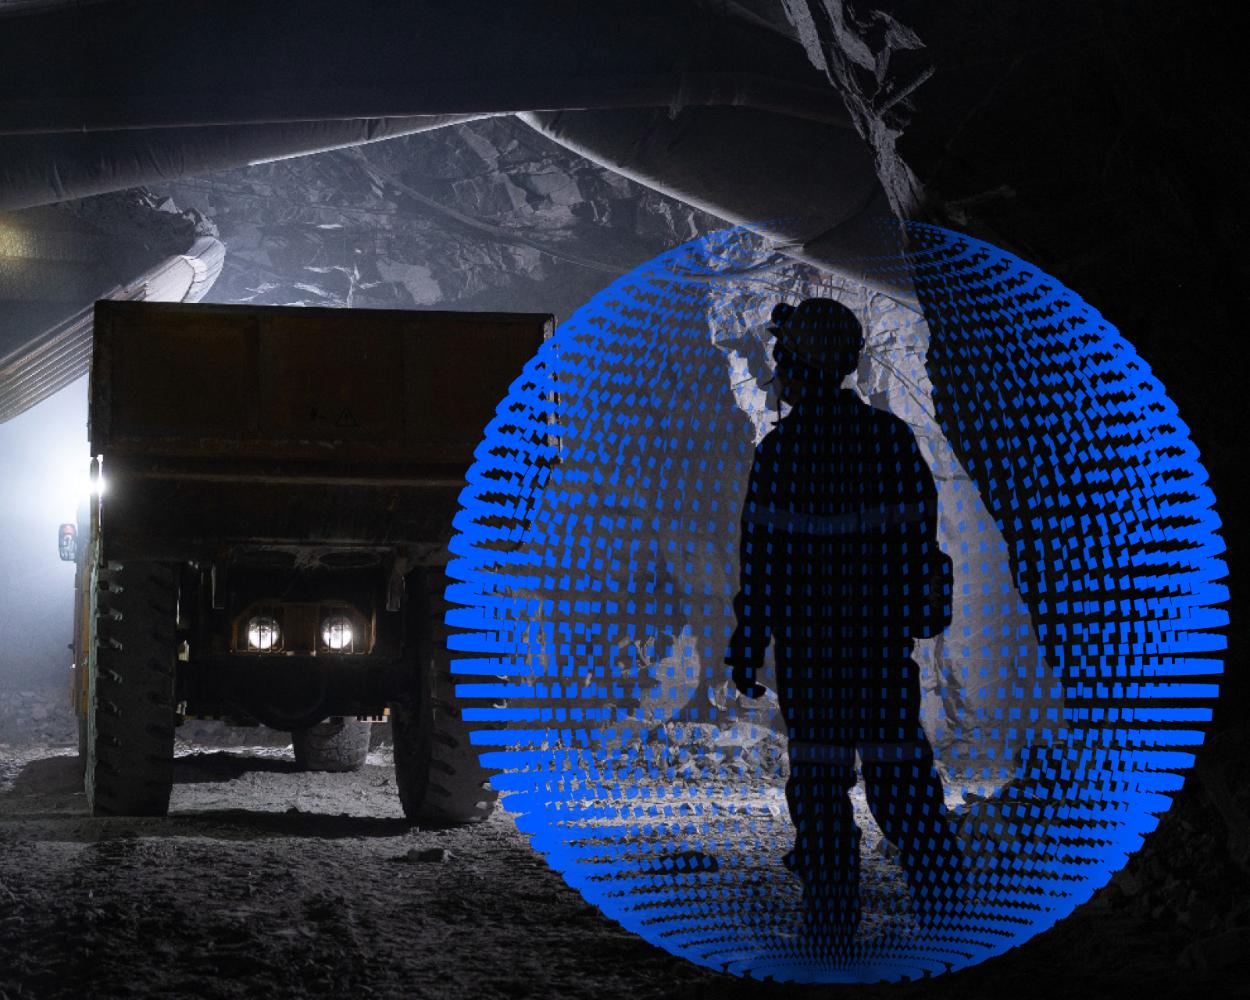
<point>44,458</point>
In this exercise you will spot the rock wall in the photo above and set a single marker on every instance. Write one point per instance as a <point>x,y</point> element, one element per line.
<point>487,215</point>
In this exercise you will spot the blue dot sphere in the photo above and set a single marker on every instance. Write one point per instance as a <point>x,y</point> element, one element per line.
<point>597,558</point>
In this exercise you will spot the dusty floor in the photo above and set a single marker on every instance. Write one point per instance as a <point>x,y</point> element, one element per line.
<point>265,882</point>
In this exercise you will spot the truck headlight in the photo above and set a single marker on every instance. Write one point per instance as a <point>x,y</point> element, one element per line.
<point>263,633</point>
<point>337,634</point>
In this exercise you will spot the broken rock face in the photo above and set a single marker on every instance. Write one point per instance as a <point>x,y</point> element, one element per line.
<point>487,215</point>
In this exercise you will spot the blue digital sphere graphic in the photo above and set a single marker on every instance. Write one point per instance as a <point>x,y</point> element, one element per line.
<point>598,558</point>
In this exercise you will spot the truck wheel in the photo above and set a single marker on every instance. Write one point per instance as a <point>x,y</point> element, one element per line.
<point>130,716</point>
<point>437,773</point>
<point>334,745</point>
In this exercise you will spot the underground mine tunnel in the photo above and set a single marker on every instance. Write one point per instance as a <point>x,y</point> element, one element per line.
<point>380,388</point>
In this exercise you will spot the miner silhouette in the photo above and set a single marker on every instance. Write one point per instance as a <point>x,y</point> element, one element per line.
<point>840,570</point>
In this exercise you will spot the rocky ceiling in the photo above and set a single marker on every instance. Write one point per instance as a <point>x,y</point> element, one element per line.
<point>485,215</point>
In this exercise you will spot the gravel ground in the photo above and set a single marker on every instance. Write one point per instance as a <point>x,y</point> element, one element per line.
<point>266,882</point>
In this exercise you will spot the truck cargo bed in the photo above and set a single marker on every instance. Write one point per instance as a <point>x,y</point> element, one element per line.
<point>277,425</point>
<point>293,386</point>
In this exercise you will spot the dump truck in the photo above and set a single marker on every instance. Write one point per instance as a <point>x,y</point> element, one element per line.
<point>274,489</point>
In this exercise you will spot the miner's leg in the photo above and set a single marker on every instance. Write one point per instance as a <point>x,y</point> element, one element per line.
<point>822,772</point>
<point>905,793</point>
<point>826,844</point>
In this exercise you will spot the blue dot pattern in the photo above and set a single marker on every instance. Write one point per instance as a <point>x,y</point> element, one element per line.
<point>597,560</point>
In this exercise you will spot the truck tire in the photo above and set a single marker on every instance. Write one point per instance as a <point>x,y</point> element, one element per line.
<point>130,715</point>
<point>333,745</point>
<point>437,773</point>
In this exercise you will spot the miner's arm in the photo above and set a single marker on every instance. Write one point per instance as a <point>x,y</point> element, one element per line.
<point>752,625</point>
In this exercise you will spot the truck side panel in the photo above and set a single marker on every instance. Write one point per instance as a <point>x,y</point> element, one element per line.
<point>293,385</point>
